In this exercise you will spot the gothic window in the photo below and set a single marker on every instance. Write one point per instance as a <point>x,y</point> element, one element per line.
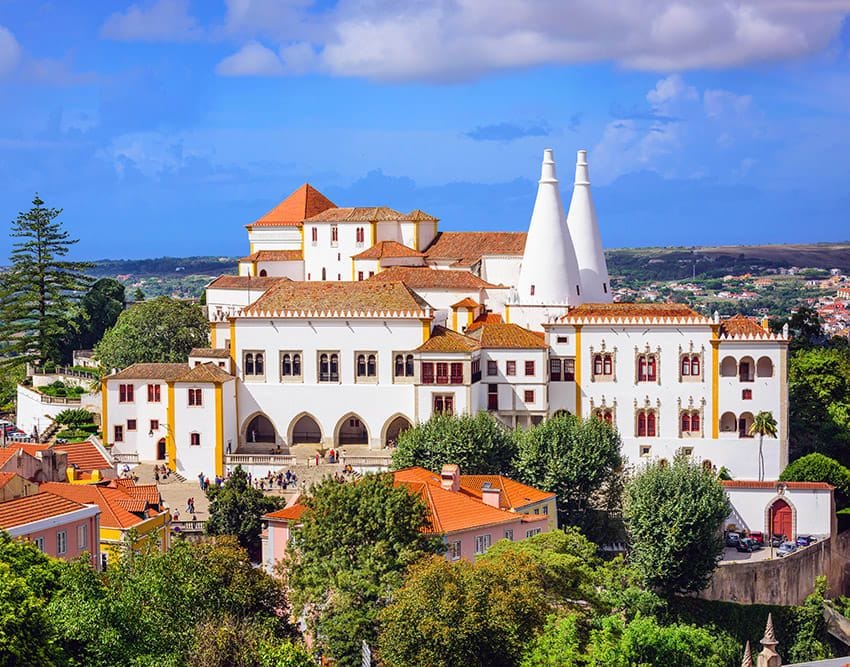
<point>604,414</point>
<point>690,366</point>
<point>329,367</point>
<point>334,236</point>
<point>603,365</point>
<point>690,422</point>
<point>647,367</point>
<point>647,423</point>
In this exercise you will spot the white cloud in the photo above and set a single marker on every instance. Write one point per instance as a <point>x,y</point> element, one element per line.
<point>446,40</point>
<point>10,51</point>
<point>253,59</point>
<point>164,20</point>
<point>719,102</point>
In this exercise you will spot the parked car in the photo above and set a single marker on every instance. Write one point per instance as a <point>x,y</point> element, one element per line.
<point>757,536</point>
<point>805,540</point>
<point>747,545</point>
<point>786,548</point>
<point>732,539</point>
<point>777,540</point>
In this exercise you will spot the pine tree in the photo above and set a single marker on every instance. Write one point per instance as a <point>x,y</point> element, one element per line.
<point>39,289</point>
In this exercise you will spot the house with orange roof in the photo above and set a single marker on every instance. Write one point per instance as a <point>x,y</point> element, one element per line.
<point>36,462</point>
<point>471,512</point>
<point>131,516</point>
<point>88,462</point>
<point>12,486</point>
<point>59,527</point>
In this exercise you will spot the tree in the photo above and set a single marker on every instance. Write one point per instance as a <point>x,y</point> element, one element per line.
<point>474,614</point>
<point>159,330</point>
<point>138,295</point>
<point>74,417</point>
<point>355,542</point>
<point>39,288</point>
<point>819,468</point>
<point>479,445</point>
<point>577,459</point>
<point>805,328</point>
<point>673,514</point>
<point>763,424</point>
<point>101,307</point>
<point>559,644</point>
<point>236,508</point>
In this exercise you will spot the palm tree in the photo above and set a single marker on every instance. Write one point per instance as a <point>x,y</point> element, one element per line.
<point>763,424</point>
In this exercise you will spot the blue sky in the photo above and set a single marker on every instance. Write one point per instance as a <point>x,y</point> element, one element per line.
<point>164,126</point>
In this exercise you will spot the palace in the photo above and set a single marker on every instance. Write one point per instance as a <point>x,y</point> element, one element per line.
<point>346,326</point>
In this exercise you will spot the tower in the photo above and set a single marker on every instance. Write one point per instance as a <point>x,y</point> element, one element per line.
<point>587,243</point>
<point>548,274</point>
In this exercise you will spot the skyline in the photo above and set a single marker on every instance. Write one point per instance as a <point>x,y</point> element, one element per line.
<point>704,124</point>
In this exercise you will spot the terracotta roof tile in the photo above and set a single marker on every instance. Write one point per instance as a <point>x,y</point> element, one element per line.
<point>208,372</point>
<point>508,336</point>
<point>291,513</point>
<point>466,303</point>
<point>29,509</point>
<point>245,282</point>
<point>167,372</point>
<point>134,505</point>
<point>12,449</point>
<point>482,319</point>
<point>274,256</point>
<point>305,202</point>
<point>113,514</point>
<point>739,325</point>
<point>6,477</point>
<point>147,492</point>
<point>388,249</point>
<point>424,277</point>
<point>446,340</point>
<point>418,215</point>
<point>210,353</point>
<point>469,247</point>
<point>754,484</point>
<point>357,214</point>
<point>515,495</point>
<point>617,312</point>
<point>85,456</point>
<point>338,299</point>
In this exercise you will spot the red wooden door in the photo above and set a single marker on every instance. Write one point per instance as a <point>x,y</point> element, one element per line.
<point>782,519</point>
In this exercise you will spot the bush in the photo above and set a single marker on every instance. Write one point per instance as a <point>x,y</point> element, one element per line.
<point>820,468</point>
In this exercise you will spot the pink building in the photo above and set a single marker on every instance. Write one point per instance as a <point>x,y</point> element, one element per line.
<point>472,512</point>
<point>59,527</point>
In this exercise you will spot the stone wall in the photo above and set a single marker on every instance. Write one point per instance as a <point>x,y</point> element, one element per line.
<point>784,581</point>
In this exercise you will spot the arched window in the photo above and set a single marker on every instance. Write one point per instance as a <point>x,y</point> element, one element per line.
<point>371,366</point>
<point>604,414</point>
<point>641,424</point>
<point>258,364</point>
<point>334,235</point>
<point>324,274</point>
<point>249,363</point>
<point>603,364</point>
<point>324,368</point>
<point>597,364</point>
<point>296,364</point>
<point>695,365</point>
<point>686,422</point>
<point>263,273</point>
<point>647,424</point>
<point>315,235</point>
<point>398,365</point>
<point>334,368</point>
<point>695,425</point>
<point>686,365</point>
<point>690,422</point>
<point>647,368</point>
<point>408,365</point>
<point>650,424</point>
<point>286,365</point>
<point>532,290</point>
<point>361,365</point>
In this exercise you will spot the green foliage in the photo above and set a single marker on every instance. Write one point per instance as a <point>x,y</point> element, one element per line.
<point>577,459</point>
<point>558,644</point>
<point>74,417</point>
<point>673,513</point>
<point>236,508</point>
<point>479,444</point>
<point>59,389</point>
<point>763,424</point>
<point>10,377</point>
<point>351,552</point>
<point>39,289</point>
<point>819,400</point>
<point>820,468</point>
<point>98,310</point>
<point>805,328</point>
<point>233,642</point>
<point>159,330</point>
<point>475,614</point>
<point>138,295</point>
<point>156,608</point>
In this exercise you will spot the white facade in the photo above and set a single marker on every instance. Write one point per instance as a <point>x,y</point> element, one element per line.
<point>810,507</point>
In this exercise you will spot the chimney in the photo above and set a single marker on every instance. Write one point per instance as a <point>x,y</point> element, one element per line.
<point>490,495</point>
<point>450,477</point>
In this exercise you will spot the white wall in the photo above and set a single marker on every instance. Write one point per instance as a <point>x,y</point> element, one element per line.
<point>143,412</point>
<point>192,460</point>
<point>813,509</point>
<point>294,270</point>
<point>275,238</point>
<point>500,269</point>
<point>33,413</point>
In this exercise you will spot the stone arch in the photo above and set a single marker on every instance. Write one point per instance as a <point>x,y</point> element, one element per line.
<point>728,422</point>
<point>728,367</point>
<point>263,273</point>
<point>764,367</point>
<point>394,426</point>
<point>745,420</point>
<point>305,429</point>
<point>746,369</point>
<point>351,430</point>
<point>778,504</point>
<point>259,428</point>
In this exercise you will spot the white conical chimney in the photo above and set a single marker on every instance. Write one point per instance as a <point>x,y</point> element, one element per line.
<point>584,231</point>
<point>549,272</point>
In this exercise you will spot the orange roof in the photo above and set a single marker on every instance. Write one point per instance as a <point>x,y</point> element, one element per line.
<point>6,477</point>
<point>754,484</point>
<point>274,256</point>
<point>740,325</point>
<point>85,456</point>
<point>466,303</point>
<point>469,247</point>
<point>515,495</point>
<point>337,299</point>
<point>244,282</point>
<point>356,214</point>
<point>114,512</point>
<point>424,277</point>
<point>482,319</point>
<point>418,215</point>
<point>446,340</point>
<point>208,372</point>
<point>305,202</point>
<point>209,352</point>
<point>508,336</point>
<point>30,509</point>
<point>167,372</point>
<point>388,249</point>
<point>147,492</point>
<point>291,513</point>
<point>617,312</point>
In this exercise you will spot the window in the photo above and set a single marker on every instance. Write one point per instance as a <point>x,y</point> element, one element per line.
<point>118,433</point>
<point>131,424</point>
<point>154,425</point>
<point>61,542</point>
<point>403,365</point>
<point>532,532</point>
<point>195,439</point>
<point>687,451</point>
<point>290,366</point>
<point>482,543</point>
<point>125,393</point>
<point>690,366</point>
<point>476,370</point>
<point>746,394</point>
<point>263,273</point>
<point>562,339</point>
<point>366,365</point>
<point>454,550</point>
<point>690,422</point>
<point>528,395</point>
<point>39,543</point>
<point>509,534</point>
<point>360,237</point>
<point>371,273</point>
<point>329,367</point>
<point>427,372</point>
<point>603,365</point>
<point>647,368</point>
<point>604,414</point>
<point>555,370</point>
<point>529,368</point>
<point>444,404</point>
<point>315,235</point>
<point>442,372</point>
<point>532,290</point>
<point>334,236</point>
<point>456,373</point>
<point>359,275</point>
<point>510,368</point>
<point>492,397</point>
<point>254,364</point>
<point>646,424</point>
<point>605,287</point>
<point>83,536</point>
<point>324,273</point>
<point>154,393</point>
<point>645,450</point>
<point>545,509</point>
<point>492,368</point>
<point>569,370</point>
<point>196,398</point>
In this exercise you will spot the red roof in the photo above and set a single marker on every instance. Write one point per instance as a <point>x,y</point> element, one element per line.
<point>291,513</point>
<point>423,277</point>
<point>508,336</point>
<point>515,495</point>
<point>468,247</point>
<point>84,455</point>
<point>388,249</point>
<point>29,509</point>
<point>739,325</point>
<point>618,312</point>
<point>274,256</point>
<point>113,502</point>
<point>466,302</point>
<point>754,484</point>
<point>482,319</point>
<point>305,202</point>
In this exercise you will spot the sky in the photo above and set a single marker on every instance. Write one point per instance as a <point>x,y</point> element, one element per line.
<point>162,127</point>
